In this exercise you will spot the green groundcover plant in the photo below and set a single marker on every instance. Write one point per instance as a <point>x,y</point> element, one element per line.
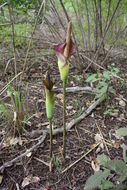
<point>14,109</point>
<point>103,179</point>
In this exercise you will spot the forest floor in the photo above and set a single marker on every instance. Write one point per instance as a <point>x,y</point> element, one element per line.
<point>81,138</point>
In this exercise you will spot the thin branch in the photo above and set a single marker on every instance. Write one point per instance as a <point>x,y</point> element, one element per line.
<point>9,163</point>
<point>39,160</point>
<point>99,66</point>
<point>29,45</point>
<point>107,29</point>
<point>77,161</point>
<point>13,36</point>
<point>76,89</point>
<point>6,86</point>
<point>57,14</point>
<point>73,121</point>
<point>6,3</point>
<point>88,23</point>
<point>120,33</point>
<point>81,117</point>
<point>102,138</point>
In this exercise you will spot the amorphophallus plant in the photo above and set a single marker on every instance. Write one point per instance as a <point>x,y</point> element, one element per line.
<point>63,52</point>
<point>50,100</point>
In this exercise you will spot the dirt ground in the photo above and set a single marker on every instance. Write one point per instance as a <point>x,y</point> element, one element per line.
<point>81,137</point>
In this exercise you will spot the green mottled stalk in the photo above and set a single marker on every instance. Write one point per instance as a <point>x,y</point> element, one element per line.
<point>64,119</point>
<point>51,142</point>
<point>50,100</point>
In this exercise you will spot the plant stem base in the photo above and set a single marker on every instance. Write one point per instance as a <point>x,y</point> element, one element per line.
<point>64,120</point>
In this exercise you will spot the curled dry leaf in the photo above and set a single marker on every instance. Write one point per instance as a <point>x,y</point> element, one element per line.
<point>30,179</point>
<point>38,114</point>
<point>100,147</point>
<point>122,103</point>
<point>1,179</point>
<point>12,141</point>
<point>69,107</point>
<point>95,165</point>
<point>29,154</point>
<point>93,146</point>
<point>60,97</point>
<point>98,139</point>
<point>117,144</point>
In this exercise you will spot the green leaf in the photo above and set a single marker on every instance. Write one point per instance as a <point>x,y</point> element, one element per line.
<point>102,159</point>
<point>10,90</point>
<point>57,163</point>
<point>120,187</point>
<point>124,147</point>
<point>108,111</point>
<point>111,90</point>
<point>121,131</point>
<point>96,179</point>
<point>107,75</point>
<point>119,167</point>
<point>115,70</point>
<point>2,108</point>
<point>104,89</point>
<point>102,84</point>
<point>107,185</point>
<point>91,78</point>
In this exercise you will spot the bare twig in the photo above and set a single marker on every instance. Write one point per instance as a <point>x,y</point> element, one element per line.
<point>13,35</point>
<point>73,121</point>
<point>120,33</point>
<point>81,117</point>
<point>9,61</point>
<point>107,29</point>
<point>6,3</point>
<point>6,86</point>
<point>39,160</point>
<point>77,161</point>
<point>57,14</point>
<point>76,89</point>
<point>88,23</point>
<point>9,163</point>
<point>29,45</point>
<point>78,17</point>
<point>93,62</point>
<point>102,138</point>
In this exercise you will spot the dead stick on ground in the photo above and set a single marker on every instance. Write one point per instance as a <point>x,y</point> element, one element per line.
<point>39,160</point>
<point>102,138</point>
<point>9,163</point>
<point>77,161</point>
<point>76,89</point>
<point>55,132</point>
<point>81,117</point>
<point>73,121</point>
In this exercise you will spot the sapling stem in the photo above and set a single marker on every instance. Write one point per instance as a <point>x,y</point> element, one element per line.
<point>64,119</point>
